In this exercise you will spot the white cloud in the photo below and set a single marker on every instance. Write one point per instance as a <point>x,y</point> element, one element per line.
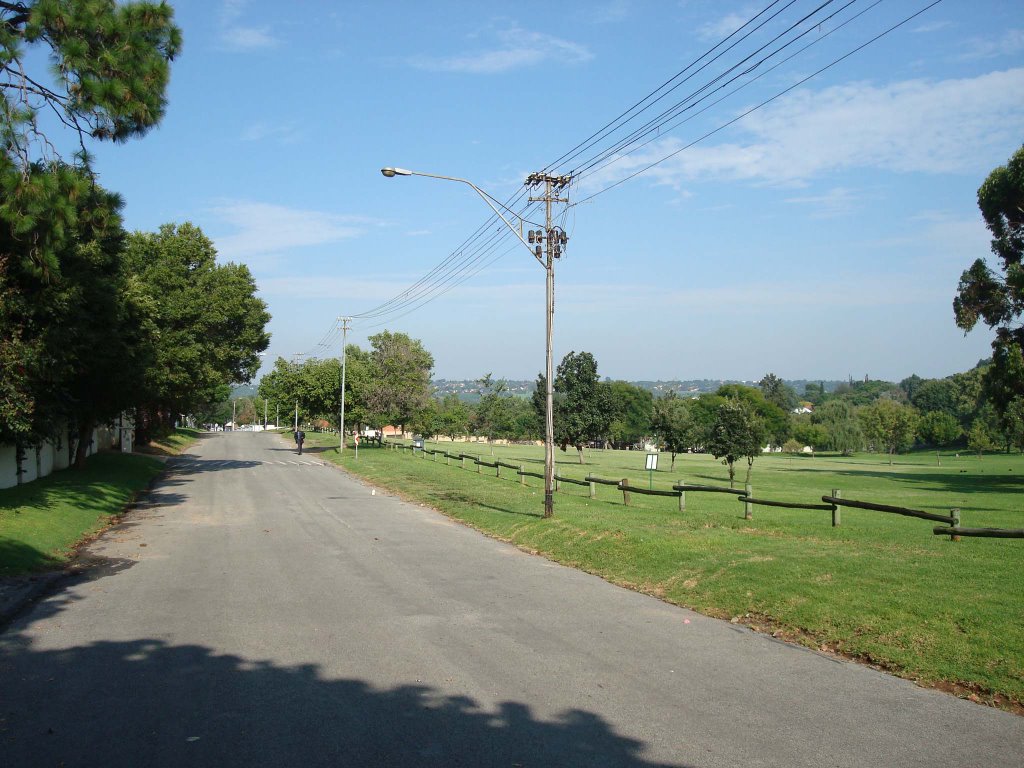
<point>1008,44</point>
<point>240,37</point>
<point>851,292</point>
<point>263,228</point>
<point>932,26</point>
<point>911,126</point>
<point>515,48</point>
<point>838,201</point>
<point>609,12</point>
<point>716,30</point>
<point>286,133</point>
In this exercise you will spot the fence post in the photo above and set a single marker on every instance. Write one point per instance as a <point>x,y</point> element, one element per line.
<point>447,459</point>
<point>682,497</point>
<point>463,457</point>
<point>593,489</point>
<point>955,514</point>
<point>625,491</point>
<point>748,508</point>
<point>522,477</point>
<point>558,485</point>
<point>497,469</point>
<point>478,470</point>
<point>836,513</point>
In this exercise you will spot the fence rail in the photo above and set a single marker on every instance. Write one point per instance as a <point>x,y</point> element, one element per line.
<point>785,504</point>
<point>950,519</point>
<point>601,481</point>
<point>708,489</point>
<point>832,503</point>
<point>992,533</point>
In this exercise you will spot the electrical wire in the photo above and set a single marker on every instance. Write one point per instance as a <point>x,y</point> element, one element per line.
<point>778,95</point>
<point>483,247</point>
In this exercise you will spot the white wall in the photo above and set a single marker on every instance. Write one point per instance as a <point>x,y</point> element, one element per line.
<point>54,454</point>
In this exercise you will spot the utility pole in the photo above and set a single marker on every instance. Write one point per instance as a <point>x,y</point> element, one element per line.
<point>554,238</point>
<point>233,402</point>
<point>344,356</point>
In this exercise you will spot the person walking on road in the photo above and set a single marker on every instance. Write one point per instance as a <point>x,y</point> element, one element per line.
<point>300,437</point>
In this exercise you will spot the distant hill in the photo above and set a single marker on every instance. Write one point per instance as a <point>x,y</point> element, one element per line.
<point>469,389</point>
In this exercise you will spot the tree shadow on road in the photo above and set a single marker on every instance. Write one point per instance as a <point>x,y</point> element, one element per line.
<point>149,702</point>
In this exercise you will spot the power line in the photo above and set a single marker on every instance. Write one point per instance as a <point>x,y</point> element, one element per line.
<point>762,104</point>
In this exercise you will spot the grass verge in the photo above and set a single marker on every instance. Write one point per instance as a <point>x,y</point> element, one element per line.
<point>880,588</point>
<point>42,522</point>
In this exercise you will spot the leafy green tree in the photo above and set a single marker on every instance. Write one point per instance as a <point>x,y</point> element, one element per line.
<point>453,416</point>
<point>108,80</point>
<point>703,412</point>
<point>490,417</point>
<point>889,425</point>
<point>674,425</point>
<point>77,337</point>
<point>211,326</point>
<point>793,446</point>
<point>632,408</point>
<point>806,432</point>
<point>939,428</point>
<point>582,406</point>
<point>994,298</point>
<point>842,430</point>
<point>933,395</point>
<point>1013,420</point>
<point>776,391</point>
<point>427,420</point>
<point>980,438</point>
<point>738,432</point>
<point>776,421</point>
<point>867,392</point>
<point>398,378</point>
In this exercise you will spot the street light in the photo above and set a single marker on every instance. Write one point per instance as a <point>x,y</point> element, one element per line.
<point>555,240</point>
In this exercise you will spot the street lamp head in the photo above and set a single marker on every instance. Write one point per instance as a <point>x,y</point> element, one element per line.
<point>392,172</point>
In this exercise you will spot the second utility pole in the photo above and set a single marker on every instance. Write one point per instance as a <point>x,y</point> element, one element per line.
<point>344,356</point>
<point>554,238</point>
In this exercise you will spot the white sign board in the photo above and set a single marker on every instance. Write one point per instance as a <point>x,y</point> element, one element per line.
<point>652,461</point>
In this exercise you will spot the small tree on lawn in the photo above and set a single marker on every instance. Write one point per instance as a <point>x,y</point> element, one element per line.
<point>891,426</point>
<point>673,424</point>
<point>736,433</point>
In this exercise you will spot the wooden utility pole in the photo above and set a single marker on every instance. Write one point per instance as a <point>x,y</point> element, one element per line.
<point>554,239</point>
<point>344,344</point>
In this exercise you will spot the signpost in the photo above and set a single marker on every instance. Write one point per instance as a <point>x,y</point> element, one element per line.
<point>652,465</point>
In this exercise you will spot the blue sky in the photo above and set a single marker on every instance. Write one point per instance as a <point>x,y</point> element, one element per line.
<point>820,236</point>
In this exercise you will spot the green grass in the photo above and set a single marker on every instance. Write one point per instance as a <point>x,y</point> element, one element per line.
<point>881,588</point>
<point>41,522</point>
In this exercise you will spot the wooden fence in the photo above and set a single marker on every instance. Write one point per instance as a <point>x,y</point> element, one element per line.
<point>832,503</point>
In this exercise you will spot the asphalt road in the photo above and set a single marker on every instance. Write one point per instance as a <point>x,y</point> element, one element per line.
<point>263,609</point>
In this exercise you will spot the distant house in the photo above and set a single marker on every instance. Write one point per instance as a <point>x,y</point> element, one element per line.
<point>804,408</point>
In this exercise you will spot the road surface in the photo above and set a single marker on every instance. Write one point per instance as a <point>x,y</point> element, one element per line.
<point>261,608</point>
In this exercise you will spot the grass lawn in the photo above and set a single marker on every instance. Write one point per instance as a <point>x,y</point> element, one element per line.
<point>42,522</point>
<point>880,588</point>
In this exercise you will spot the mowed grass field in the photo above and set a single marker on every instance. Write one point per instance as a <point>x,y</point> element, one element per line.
<point>880,588</point>
<point>42,522</point>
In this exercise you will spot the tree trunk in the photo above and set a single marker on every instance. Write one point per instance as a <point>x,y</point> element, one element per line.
<point>84,435</point>
<point>579,450</point>
<point>732,472</point>
<point>673,465</point>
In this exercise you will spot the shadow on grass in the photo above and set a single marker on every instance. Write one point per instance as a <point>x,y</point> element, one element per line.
<point>462,498</point>
<point>147,701</point>
<point>952,481</point>
<point>17,557</point>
